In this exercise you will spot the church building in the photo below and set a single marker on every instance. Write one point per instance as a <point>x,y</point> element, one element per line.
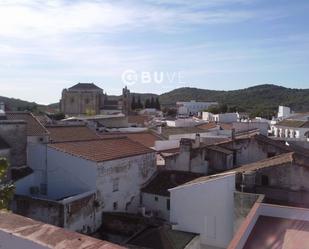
<point>89,99</point>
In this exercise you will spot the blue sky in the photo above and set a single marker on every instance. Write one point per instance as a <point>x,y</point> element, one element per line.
<point>46,46</point>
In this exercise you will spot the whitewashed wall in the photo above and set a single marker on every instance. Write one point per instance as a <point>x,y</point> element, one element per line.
<point>131,172</point>
<point>205,208</point>
<point>69,175</point>
<point>159,206</point>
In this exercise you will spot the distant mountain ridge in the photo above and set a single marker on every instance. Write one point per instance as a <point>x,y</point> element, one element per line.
<point>260,100</point>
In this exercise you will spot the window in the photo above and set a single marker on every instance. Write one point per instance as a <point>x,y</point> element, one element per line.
<point>271,154</point>
<point>43,189</point>
<point>168,204</point>
<point>115,205</point>
<point>265,180</point>
<point>156,198</point>
<point>115,184</point>
<point>87,101</point>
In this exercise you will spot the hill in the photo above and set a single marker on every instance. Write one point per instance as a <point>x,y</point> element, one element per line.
<point>261,100</point>
<point>18,104</point>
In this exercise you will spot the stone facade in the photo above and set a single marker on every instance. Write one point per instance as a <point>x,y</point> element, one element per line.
<point>82,98</point>
<point>89,99</point>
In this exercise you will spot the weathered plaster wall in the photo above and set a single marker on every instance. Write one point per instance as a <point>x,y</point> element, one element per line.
<point>15,135</point>
<point>158,207</point>
<point>130,173</point>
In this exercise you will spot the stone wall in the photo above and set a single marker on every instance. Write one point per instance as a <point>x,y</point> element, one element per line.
<point>15,135</point>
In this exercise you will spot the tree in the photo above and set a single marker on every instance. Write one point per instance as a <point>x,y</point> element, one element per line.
<point>6,187</point>
<point>139,103</point>
<point>147,103</point>
<point>157,104</point>
<point>152,103</point>
<point>133,103</point>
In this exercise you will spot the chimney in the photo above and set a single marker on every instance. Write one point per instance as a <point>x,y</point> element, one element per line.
<point>197,140</point>
<point>159,129</point>
<point>2,106</point>
<point>185,145</point>
<point>233,134</point>
<point>2,111</point>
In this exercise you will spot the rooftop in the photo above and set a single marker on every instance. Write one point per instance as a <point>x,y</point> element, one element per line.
<point>161,238</point>
<point>294,123</point>
<point>85,87</point>
<point>48,235</point>
<point>269,162</point>
<point>138,119</point>
<point>165,180</point>
<point>274,232</point>
<point>71,133</point>
<point>101,150</point>
<point>34,127</point>
<point>207,126</point>
<point>167,131</point>
<point>220,149</point>
<point>145,138</point>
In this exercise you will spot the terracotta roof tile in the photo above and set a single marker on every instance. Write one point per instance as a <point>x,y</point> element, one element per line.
<point>269,162</point>
<point>220,149</point>
<point>168,179</point>
<point>102,149</point>
<point>71,133</point>
<point>294,123</point>
<point>48,235</point>
<point>139,119</point>
<point>226,126</point>
<point>207,126</point>
<point>145,138</point>
<point>34,127</point>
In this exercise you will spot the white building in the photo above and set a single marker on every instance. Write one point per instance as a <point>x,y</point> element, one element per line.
<point>220,118</point>
<point>114,169</point>
<point>193,107</point>
<point>155,197</point>
<point>205,206</point>
<point>284,112</point>
<point>291,130</point>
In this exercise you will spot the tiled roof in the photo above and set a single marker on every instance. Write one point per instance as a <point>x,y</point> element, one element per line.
<point>161,237</point>
<point>145,138</point>
<point>220,149</point>
<point>276,143</point>
<point>48,235</point>
<point>165,180</point>
<point>85,86</point>
<point>294,123</point>
<point>269,162</point>
<point>207,126</point>
<point>70,133</point>
<point>226,126</point>
<point>139,119</point>
<point>102,149</point>
<point>34,127</point>
<point>167,131</point>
